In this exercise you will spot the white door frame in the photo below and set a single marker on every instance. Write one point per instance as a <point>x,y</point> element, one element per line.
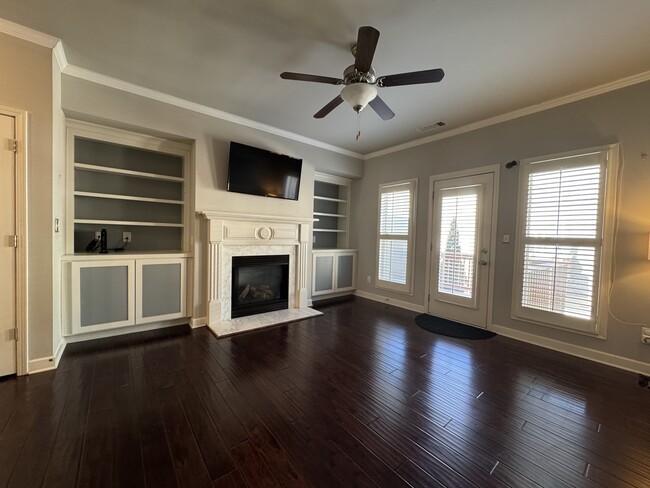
<point>493,169</point>
<point>21,231</point>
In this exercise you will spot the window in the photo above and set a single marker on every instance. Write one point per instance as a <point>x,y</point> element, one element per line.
<point>457,238</point>
<point>396,235</point>
<point>564,239</point>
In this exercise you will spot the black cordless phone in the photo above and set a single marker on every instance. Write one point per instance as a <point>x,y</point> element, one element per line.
<point>103,243</point>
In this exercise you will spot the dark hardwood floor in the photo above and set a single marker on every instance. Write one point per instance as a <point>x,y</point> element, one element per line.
<point>358,397</point>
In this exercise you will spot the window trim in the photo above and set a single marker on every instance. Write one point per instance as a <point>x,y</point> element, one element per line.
<point>603,281</point>
<point>407,288</point>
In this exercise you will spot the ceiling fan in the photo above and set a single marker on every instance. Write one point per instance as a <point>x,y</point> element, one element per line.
<point>361,81</point>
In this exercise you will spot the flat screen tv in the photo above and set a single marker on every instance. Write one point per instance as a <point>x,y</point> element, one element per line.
<point>259,172</point>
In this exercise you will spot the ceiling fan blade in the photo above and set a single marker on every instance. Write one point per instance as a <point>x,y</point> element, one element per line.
<point>315,78</point>
<point>412,78</point>
<point>329,107</point>
<point>379,106</point>
<point>366,45</point>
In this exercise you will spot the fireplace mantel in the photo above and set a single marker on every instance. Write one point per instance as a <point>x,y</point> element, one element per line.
<point>235,234</point>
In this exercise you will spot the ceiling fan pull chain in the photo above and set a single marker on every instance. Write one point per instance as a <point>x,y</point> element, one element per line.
<point>358,126</point>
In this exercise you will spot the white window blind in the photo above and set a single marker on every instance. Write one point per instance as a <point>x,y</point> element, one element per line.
<point>394,248</point>
<point>561,242</point>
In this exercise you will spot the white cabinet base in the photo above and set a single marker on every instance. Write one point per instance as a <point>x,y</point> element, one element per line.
<point>110,294</point>
<point>333,271</point>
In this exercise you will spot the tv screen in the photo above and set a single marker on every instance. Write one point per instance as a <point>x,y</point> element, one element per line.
<point>259,172</point>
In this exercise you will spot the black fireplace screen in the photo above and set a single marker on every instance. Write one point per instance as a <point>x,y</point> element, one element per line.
<point>259,284</point>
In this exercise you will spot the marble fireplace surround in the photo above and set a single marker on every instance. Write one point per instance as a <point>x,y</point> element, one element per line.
<point>234,234</point>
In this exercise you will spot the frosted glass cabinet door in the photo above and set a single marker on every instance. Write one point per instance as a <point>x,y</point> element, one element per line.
<point>345,267</point>
<point>333,271</point>
<point>102,295</point>
<point>160,289</point>
<point>323,279</point>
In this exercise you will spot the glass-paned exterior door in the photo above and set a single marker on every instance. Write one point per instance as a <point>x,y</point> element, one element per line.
<point>462,212</point>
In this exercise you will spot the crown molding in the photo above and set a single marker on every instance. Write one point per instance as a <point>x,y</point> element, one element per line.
<point>27,34</point>
<point>94,77</point>
<point>59,55</point>
<point>574,97</point>
<point>46,40</point>
<point>54,43</point>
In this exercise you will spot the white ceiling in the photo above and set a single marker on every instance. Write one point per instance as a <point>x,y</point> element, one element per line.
<point>498,55</point>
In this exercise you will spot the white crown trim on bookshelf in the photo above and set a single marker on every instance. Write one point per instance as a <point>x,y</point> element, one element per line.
<point>27,34</point>
<point>125,86</point>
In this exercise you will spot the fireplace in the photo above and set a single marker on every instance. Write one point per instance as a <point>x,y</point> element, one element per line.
<point>259,284</point>
<point>233,235</point>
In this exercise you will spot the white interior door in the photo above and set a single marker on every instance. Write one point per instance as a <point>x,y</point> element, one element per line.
<point>7,249</point>
<point>460,253</point>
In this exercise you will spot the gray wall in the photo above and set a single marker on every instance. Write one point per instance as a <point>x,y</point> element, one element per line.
<point>620,116</point>
<point>58,202</point>
<point>26,84</point>
<point>210,136</point>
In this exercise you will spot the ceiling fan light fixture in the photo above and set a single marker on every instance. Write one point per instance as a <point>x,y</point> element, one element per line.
<point>358,95</point>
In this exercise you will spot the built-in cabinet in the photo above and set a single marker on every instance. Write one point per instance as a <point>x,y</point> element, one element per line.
<point>333,264</point>
<point>334,271</point>
<point>331,212</point>
<point>125,182</point>
<point>136,188</point>
<point>113,293</point>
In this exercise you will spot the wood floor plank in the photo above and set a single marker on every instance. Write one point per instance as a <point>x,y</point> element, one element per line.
<point>609,461</point>
<point>157,461</point>
<point>252,467</point>
<point>359,396</point>
<point>190,470</point>
<point>63,466</point>
<point>96,465</point>
<point>417,477</point>
<point>231,480</point>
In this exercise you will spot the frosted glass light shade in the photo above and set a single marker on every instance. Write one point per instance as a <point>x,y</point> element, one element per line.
<point>358,95</point>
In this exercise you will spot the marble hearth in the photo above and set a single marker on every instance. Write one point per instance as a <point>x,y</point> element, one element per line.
<point>231,234</point>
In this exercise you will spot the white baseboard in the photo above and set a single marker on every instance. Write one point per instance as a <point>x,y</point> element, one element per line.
<point>390,301</point>
<point>59,351</point>
<point>40,365</point>
<point>579,351</point>
<point>48,363</point>
<point>199,322</point>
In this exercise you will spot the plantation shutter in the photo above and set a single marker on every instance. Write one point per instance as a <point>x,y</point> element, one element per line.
<point>562,241</point>
<point>395,235</point>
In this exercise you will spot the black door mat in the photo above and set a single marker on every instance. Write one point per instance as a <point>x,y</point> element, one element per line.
<point>451,329</point>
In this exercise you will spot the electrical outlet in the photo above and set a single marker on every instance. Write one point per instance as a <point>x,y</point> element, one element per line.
<point>368,279</point>
<point>98,235</point>
<point>126,237</point>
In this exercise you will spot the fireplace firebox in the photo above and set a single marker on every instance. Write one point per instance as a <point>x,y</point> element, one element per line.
<point>259,284</point>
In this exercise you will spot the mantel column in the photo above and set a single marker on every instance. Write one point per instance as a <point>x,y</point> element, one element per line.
<point>215,242</point>
<point>302,288</point>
